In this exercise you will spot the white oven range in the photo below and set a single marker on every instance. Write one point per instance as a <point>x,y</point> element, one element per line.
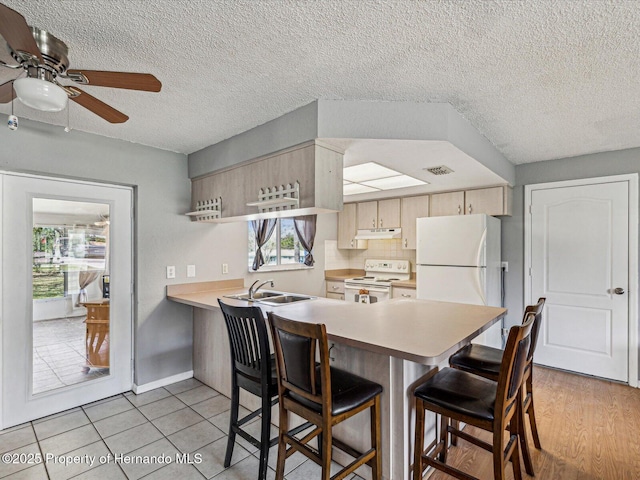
<point>375,285</point>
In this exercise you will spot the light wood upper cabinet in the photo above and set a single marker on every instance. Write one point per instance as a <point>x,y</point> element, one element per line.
<point>367,215</point>
<point>381,214</point>
<point>389,213</point>
<point>347,228</point>
<point>492,201</point>
<point>316,168</point>
<point>449,203</point>
<point>411,209</point>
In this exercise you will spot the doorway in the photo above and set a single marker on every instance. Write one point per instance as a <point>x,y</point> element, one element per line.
<point>66,295</point>
<point>581,247</point>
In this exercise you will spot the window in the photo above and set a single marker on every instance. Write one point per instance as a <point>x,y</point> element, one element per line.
<point>283,249</point>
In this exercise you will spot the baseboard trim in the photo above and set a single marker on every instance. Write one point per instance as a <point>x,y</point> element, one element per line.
<point>138,389</point>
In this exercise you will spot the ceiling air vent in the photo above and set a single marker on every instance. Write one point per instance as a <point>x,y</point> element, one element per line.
<point>441,170</point>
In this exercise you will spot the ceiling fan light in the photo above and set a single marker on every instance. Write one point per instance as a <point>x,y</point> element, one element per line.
<point>40,94</point>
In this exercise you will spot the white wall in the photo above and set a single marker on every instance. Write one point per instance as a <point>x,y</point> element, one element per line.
<point>586,166</point>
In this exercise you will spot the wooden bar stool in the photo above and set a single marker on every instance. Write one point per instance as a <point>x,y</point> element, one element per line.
<point>483,403</point>
<point>485,361</point>
<point>323,395</point>
<point>253,370</point>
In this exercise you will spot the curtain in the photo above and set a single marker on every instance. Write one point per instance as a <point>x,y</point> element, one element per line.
<point>263,229</point>
<point>306,229</point>
<point>84,279</point>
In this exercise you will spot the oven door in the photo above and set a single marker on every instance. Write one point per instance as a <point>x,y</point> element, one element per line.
<point>376,294</point>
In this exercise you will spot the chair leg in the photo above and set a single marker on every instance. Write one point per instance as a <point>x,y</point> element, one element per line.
<point>518,418</point>
<point>454,439</point>
<point>327,441</point>
<point>531,412</point>
<point>376,462</point>
<point>233,423</point>
<point>265,434</point>
<point>282,445</point>
<point>444,423</point>
<point>515,461</point>
<point>418,446</point>
<point>498,454</point>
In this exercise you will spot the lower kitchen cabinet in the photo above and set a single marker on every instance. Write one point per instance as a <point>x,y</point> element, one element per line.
<point>335,290</point>
<point>403,292</point>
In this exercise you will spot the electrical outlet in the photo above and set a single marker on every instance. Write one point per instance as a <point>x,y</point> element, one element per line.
<point>225,268</point>
<point>171,271</point>
<point>505,266</point>
<point>191,271</point>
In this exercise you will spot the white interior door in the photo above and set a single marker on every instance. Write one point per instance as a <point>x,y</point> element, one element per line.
<point>66,247</point>
<point>579,240</point>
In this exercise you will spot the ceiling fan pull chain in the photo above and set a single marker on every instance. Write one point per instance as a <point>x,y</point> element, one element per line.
<point>13,120</point>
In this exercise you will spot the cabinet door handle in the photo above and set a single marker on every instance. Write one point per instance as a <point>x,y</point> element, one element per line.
<point>373,222</point>
<point>459,210</point>
<point>469,208</point>
<point>380,223</point>
<point>335,287</point>
<point>407,295</point>
<point>352,243</point>
<point>405,243</point>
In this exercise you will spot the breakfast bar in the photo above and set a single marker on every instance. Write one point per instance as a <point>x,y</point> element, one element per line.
<point>395,343</point>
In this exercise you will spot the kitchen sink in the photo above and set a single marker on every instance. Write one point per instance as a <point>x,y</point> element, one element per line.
<point>271,298</point>
<point>256,296</point>
<point>285,299</point>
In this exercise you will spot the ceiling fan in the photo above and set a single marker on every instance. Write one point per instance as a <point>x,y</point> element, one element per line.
<point>44,58</point>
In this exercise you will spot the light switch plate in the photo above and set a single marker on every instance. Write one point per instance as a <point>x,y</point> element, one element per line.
<point>225,268</point>
<point>191,271</point>
<point>171,271</point>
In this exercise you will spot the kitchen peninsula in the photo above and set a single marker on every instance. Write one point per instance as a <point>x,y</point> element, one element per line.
<point>395,343</point>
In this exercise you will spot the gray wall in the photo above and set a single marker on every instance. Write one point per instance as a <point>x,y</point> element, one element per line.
<point>586,166</point>
<point>163,330</point>
<point>164,236</point>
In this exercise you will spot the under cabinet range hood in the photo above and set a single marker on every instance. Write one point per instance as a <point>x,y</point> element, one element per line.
<point>378,234</point>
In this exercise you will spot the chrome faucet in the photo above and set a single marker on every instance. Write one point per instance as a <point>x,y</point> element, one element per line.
<point>253,291</point>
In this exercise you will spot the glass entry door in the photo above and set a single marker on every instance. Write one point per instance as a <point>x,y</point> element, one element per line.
<point>67,295</point>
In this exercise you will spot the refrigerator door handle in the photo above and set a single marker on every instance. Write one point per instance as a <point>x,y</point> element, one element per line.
<point>480,272</point>
<point>481,244</point>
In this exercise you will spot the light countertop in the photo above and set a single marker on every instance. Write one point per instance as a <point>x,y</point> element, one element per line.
<point>421,331</point>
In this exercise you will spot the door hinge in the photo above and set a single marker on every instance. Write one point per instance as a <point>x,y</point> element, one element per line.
<point>529,209</point>
<point>529,271</point>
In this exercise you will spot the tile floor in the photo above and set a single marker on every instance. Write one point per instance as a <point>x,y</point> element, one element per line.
<point>59,354</point>
<point>183,418</point>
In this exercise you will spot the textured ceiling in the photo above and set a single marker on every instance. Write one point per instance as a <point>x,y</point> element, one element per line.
<point>540,79</point>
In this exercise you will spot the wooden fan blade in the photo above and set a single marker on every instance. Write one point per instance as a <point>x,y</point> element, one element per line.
<point>6,92</point>
<point>131,81</point>
<point>98,107</point>
<point>16,32</point>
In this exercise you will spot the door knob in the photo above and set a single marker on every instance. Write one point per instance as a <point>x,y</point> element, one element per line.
<point>618,291</point>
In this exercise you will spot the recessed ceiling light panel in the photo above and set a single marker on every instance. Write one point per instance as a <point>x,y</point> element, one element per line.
<point>367,171</point>
<point>399,181</point>
<point>355,188</point>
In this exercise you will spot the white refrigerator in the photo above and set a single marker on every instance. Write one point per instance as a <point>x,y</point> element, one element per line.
<point>458,260</point>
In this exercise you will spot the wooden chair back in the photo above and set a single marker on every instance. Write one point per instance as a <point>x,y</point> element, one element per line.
<point>295,344</point>
<point>514,363</point>
<point>537,310</point>
<point>249,343</point>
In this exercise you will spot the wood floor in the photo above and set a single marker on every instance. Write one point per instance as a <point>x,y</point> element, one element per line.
<point>589,429</point>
